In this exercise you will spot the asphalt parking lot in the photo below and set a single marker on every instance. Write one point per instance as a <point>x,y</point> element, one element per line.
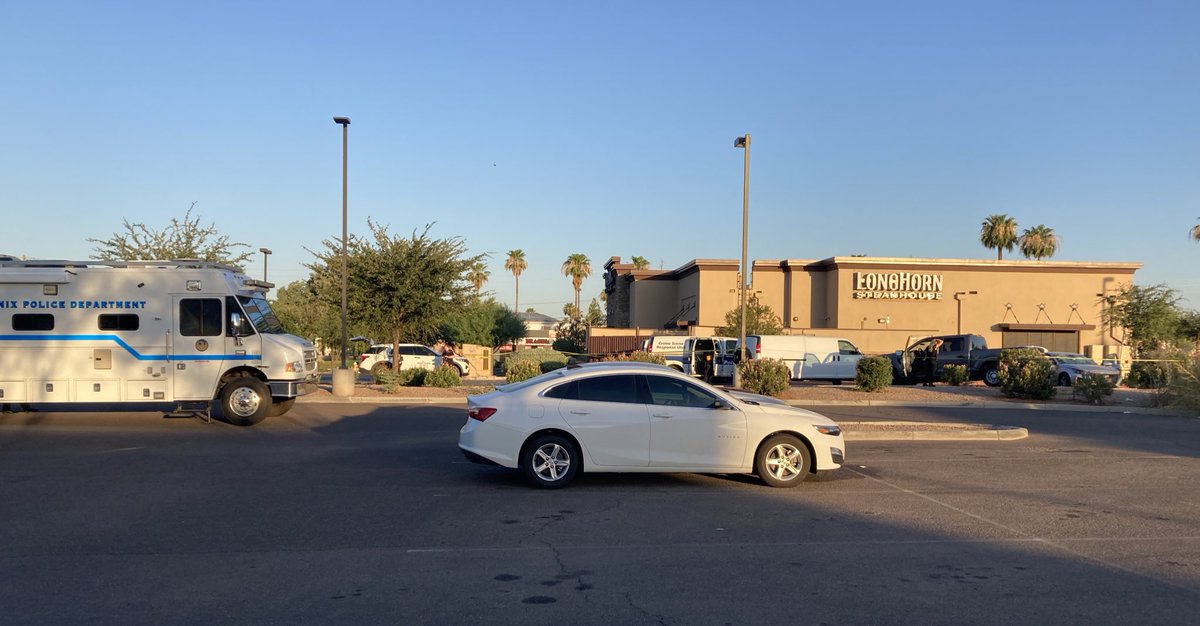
<point>341,513</point>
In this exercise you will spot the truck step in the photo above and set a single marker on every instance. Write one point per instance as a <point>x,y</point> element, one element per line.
<point>197,409</point>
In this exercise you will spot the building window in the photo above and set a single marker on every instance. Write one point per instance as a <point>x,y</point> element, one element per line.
<point>33,321</point>
<point>200,317</point>
<point>122,321</point>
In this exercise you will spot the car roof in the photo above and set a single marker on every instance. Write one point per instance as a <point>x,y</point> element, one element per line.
<point>611,364</point>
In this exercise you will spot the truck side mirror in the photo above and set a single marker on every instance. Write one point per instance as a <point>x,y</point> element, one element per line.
<point>235,324</point>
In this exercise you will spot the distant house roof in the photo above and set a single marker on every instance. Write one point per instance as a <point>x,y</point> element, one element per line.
<point>536,318</point>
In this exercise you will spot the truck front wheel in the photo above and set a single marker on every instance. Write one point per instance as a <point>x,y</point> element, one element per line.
<point>991,375</point>
<point>245,401</point>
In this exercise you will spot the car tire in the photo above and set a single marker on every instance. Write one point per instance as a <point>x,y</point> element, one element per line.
<point>991,375</point>
<point>379,369</point>
<point>550,461</point>
<point>279,406</point>
<point>1064,380</point>
<point>245,401</point>
<point>782,461</point>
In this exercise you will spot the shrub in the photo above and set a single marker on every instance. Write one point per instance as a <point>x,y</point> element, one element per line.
<point>955,375</point>
<point>389,379</point>
<point>769,377</point>
<point>637,355</point>
<point>1092,388</point>
<point>1149,374</point>
<point>543,360</point>
<point>873,373</point>
<point>1183,384</point>
<point>413,377</point>
<point>1026,373</point>
<point>444,376</point>
<point>517,370</point>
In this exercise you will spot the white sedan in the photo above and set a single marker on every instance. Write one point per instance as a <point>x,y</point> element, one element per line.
<point>641,417</point>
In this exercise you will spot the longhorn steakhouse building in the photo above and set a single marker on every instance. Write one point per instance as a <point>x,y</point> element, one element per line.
<point>876,302</point>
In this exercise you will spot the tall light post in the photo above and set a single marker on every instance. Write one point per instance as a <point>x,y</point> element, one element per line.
<point>345,122</point>
<point>743,142</point>
<point>266,253</point>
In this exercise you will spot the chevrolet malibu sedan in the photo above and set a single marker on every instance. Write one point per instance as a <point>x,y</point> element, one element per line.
<point>641,417</point>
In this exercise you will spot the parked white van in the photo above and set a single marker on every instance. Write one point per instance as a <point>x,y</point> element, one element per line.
<point>808,357</point>
<point>709,357</point>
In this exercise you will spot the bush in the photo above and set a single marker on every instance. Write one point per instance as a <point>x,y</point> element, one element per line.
<point>1183,384</point>
<point>873,373</point>
<point>516,370</point>
<point>1092,388</point>
<point>769,377</point>
<point>389,379</point>
<point>1026,373</point>
<point>640,356</point>
<point>544,360</point>
<point>1148,374</point>
<point>413,377</point>
<point>955,375</point>
<point>444,376</point>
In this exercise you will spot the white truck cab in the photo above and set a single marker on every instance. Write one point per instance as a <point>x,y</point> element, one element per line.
<point>188,332</point>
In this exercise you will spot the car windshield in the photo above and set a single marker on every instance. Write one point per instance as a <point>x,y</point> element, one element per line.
<point>1067,359</point>
<point>261,315</point>
<point>529,382</point>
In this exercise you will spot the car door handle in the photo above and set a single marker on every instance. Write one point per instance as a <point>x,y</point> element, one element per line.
<point>661,414</point>
<point>581,412</point>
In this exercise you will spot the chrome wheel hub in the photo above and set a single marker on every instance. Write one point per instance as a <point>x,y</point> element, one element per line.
<point>784,462</point>
<point>551,462</point>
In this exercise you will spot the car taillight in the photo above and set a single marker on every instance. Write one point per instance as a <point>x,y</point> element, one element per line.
<point>480,413</point>
<point>758,348</point>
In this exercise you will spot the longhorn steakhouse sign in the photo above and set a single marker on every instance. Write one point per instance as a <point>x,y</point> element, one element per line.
<point>897,286</point>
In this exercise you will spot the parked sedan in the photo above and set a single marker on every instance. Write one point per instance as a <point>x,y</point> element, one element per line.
<point>642,417</point>
<point>1068,367</point>
<point>378,358</point>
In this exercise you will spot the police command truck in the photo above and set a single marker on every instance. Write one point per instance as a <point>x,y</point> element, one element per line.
<point>192,333</point>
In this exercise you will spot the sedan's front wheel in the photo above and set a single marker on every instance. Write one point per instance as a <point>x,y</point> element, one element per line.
<point>782,461</point>
<point>550,461</point>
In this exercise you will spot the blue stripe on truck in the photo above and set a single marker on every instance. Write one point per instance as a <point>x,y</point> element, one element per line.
<point>128,348</point>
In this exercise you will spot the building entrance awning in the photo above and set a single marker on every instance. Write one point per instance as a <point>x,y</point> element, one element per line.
<point>1046,327</point>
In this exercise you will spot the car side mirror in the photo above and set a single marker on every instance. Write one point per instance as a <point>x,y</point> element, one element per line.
<point>718,405</point>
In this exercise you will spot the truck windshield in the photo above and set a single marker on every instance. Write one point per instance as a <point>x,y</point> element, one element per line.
<point>261,315</point>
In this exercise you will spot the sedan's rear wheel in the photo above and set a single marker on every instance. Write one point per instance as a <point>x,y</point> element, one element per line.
<point>782,461</point>
<point>550,461</point>
<point>1064,380</point>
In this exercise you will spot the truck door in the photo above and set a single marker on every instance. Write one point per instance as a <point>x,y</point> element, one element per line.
<point>954,352</point>
<point>198,346</point>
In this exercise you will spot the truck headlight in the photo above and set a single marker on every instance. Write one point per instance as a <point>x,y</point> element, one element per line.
<point>294,366</point>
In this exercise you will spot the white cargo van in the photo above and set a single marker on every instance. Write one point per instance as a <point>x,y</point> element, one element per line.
<point>670,347</point>
<point>808,357</point>
<point>187,332</point>
<point>700,352</point>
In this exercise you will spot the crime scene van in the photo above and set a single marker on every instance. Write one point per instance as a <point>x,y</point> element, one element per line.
<point>192,333</point>
<point>670,347</point>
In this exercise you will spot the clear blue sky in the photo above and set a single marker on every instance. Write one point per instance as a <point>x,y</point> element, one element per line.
<point>607,128</point>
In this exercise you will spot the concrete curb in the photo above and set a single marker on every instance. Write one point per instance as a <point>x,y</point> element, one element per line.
<point>921,431</point>
<point>1031,406</point>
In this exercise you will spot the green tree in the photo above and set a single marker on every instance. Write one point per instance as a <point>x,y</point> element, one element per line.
<point>181,239</point>
<point>516,264</point>
<point>999,232</point>
<point>1038,242</point>
<point>483,322</point>
<point>640,262</point>
<point>571,336</point>
<point>304,314</point>
<point>1149,315</point>
<point>760,320</point>
<point>577,267</point>
<point>402,287</point>
<point>595,315</point>
<point>478,275</point>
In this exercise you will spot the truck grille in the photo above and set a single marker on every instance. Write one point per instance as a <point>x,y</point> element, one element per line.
<point>310,360</point>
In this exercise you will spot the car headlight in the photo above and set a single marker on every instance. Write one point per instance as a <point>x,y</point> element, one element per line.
<point>832,430</point>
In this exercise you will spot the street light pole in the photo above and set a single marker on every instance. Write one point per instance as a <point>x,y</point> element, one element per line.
<point>743,142</point>
<point>345,122</point>
<point>266,253</point>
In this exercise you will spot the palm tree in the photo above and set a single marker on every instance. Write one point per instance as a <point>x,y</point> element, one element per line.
<point>640,262</point>
<point>577,267</point>
<point>516,264</point>
<point>1194,233</point>
<point>999,232</point>
<point>478,275</point>
<point>1038,242</point>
